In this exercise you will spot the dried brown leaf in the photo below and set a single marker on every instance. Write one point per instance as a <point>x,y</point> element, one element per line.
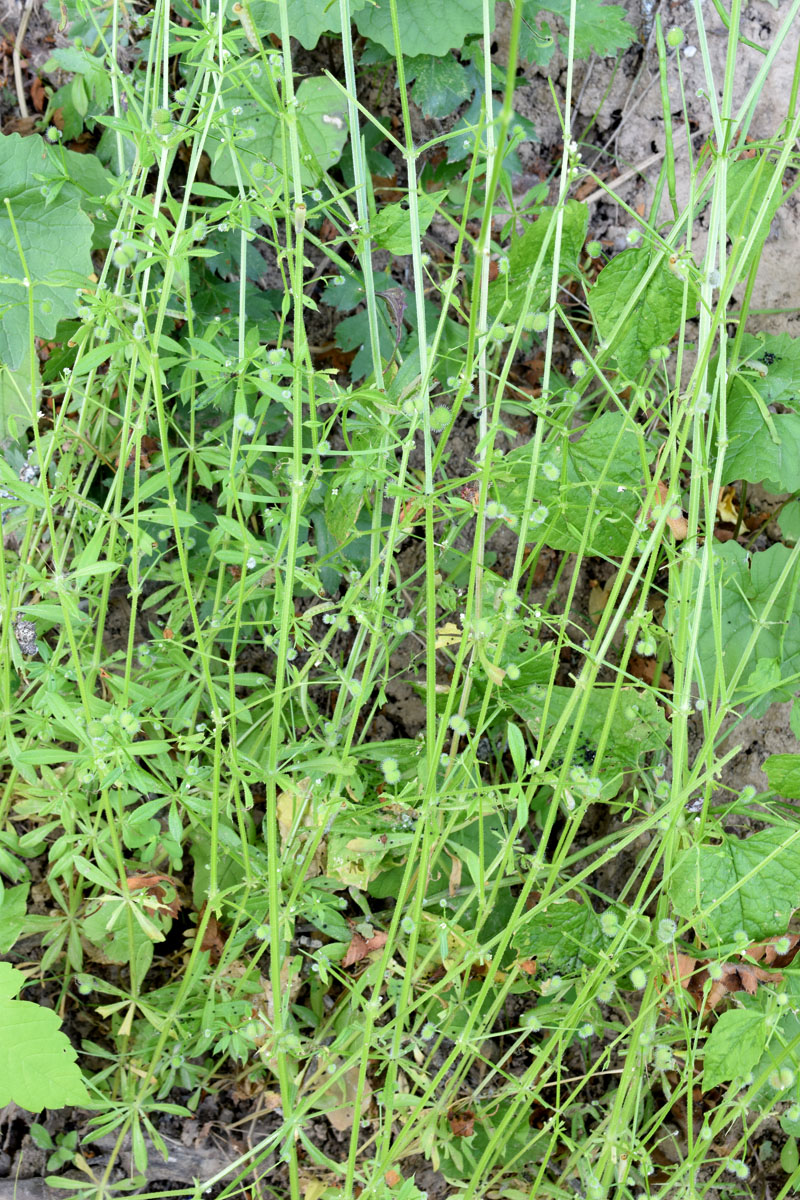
<point>213,941</point>
<point>598,596</point>
<point>38,94</point>
<point>297,823</point>
<point>462,1124</point>
<point>685,967</point>
<point>342,1114</point>
<point>678,525</point>
<point>768,952</point>
<point>454,882</point>
<point>154,886</point>
<point>645,669</point>
<point>360,947</point>
<point>726,506</point>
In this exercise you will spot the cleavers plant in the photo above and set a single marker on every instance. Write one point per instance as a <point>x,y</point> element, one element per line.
<point>328,781</point>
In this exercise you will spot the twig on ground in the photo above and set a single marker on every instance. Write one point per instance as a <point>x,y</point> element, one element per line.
<point>15,57</point>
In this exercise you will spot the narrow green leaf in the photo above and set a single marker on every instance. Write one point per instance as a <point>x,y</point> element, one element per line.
<point>170,516</point>
<point>98,568</point>
<point>516,745</point>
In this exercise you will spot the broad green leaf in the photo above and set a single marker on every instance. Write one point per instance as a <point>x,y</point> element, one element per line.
<point>440,84</point>
<point>789,521</point>
<point>346,292</point>
<point>744,585</point>
<point>790,1157</point>
<point>17,404</point>
<point>781,1052</point>
<point>308,19</point>
<point>504,1123</point>
<point>88,175</point>
<point>352,333</point>
<point>562,937</point>
<point>743,888</point>
<point>355,861</point>
<point>783,774</point>
<point>341,511</point>
<point>92,69</point>
<point>55,240</point>
<point>537,42</point>
<point>642,301</point>
<point>753,453</point>
<point>391,228</point>
<point>524,252</point>
<point>734,1046</point>
<point>636,727</point>
<point>426,26</point>
<point>256,129</point>
<point>596,480</point>
<point>37,1063</point>
<point>599,29</point>
<point>13,907</point>
<point>230,871</point>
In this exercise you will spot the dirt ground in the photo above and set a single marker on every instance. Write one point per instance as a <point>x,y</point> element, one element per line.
<point>622,112</point>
